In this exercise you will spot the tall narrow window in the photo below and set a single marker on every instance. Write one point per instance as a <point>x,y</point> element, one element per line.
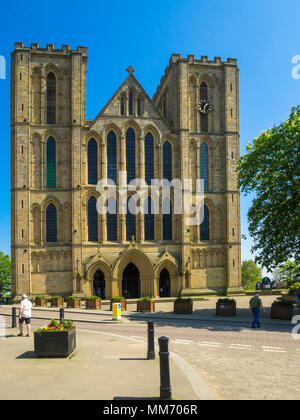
<point>138,107</point>
<point>130,223</point>
<point>92,220</point>
<point>130,154</point>
<point>112,221</point>
<point>51,223</point>
<point>51,98</point>
<point>122,105</point>
<point>92,162</point>
<point>130,104</point>
<point>167,161</point>
<point>204,227</point>
<point>149,158</point>
<point>149,220</point>
<point>203,117</point>
<point>167,220</point>
<point>112,157</point>
<point>51,163</point>
<point>204,164</point>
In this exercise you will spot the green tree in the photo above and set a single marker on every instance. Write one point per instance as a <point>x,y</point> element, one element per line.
<point>289,272</point>
<point>271,169</point>
<point>5,274</point>
<point>251,274</point>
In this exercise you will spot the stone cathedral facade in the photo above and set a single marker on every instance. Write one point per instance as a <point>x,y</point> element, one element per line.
<point>61,245</point>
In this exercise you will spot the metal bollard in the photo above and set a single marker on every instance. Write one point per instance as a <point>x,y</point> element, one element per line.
<point>165,383</point>
<point>14,318</point>
<point>151,348</point>
<point>61,314</point>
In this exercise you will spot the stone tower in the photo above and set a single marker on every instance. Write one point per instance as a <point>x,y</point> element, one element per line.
<point>30,128</point>
<point>54,150</point>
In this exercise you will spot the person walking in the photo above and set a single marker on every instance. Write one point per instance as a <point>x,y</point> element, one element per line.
<point>255,306</point>
<point>24,315</point>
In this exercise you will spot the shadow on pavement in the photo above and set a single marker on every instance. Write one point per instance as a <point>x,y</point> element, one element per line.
<point>210,321</point>
<point>133,358</point>
<point>27,355</point>
<point>137,398</point>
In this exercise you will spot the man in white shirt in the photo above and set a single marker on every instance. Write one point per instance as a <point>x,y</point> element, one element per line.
<point>24,315</point>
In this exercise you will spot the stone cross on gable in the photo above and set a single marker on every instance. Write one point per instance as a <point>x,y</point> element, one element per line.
<point>130,69</point>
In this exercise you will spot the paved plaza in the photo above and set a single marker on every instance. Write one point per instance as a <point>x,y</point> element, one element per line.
<point>212,357</point>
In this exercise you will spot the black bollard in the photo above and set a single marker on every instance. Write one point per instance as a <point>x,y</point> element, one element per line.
<point>14,318</point>
<point>165,383</point>
<point>61,314</point>
<point>151,349</point>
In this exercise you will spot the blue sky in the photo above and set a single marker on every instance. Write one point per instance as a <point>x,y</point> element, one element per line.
<point>263,35</point>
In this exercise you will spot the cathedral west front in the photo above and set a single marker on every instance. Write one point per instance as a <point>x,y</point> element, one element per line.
<point>61,243</point>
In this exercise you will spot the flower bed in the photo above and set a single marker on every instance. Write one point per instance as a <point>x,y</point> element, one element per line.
<point>57,302</point>
<point>183,306</point>
<point>41,301</point>
<point>145,304</point>
<point>119,299</point>
<point>73,302</point>
<point>226,307</point>
<point>55,339</point>
<point>282,309</point>
<point>93,302</point>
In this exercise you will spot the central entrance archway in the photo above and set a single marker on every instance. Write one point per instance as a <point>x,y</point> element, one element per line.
<point>164,283</point>
<point>99,284</point>
<point>131,287</point>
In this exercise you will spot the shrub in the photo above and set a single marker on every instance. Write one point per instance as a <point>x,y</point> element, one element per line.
<point>146,299</point>
<point>40,297</point>
<point>93,298</point>
<point>73,297</point>
<point>226,301</point>
<point>56,297</point>
<point>117,299</point>
<point>294,288</point>
<point>180,299</point>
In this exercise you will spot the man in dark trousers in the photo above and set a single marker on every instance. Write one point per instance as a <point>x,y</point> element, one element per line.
<point>255,307</point>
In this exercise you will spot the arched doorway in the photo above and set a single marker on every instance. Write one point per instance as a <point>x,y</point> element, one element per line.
<point>131,282</point>
<point>164,283</point>
<point>99,284</point>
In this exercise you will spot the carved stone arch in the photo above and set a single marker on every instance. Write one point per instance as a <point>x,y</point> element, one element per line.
<point>50,132</point>
<point>131,123</point>
<point>92,134</point>
<point>193,80</point>
<point>206,78</point>
<point>90,273</point>
<point>52,200</point>
<point>169,263</point>
<point>50,68</point>
<point>111,127</point>
<point>151,128</point>
<point>142,263</point>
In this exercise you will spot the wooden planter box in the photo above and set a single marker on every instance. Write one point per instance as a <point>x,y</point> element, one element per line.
<point>57,302</point>
<point>123,304</point>
<point>145,306</point>
<point>183,307</point>
<point>73,303</point>
<point>93,304</point>
<point>288,298</point>
<point>282,312</point>
<point>226,309</point>
<point>55,344</point>
<point>41,301</point>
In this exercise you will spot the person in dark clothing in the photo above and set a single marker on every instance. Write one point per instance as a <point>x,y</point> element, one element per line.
<point>255,306</point>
